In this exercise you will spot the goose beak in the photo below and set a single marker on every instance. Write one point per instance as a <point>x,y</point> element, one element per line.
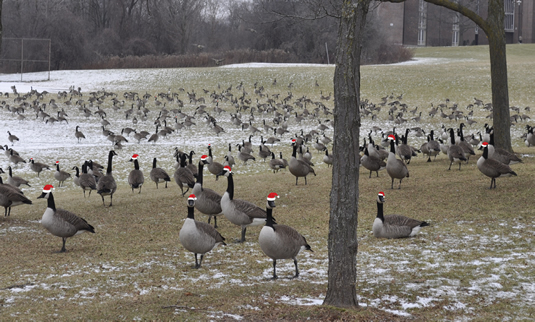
<point>43,195</point>
<point>271,204</point>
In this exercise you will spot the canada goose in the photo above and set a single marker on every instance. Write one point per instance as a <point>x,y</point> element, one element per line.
<point>208,201</point>
<point>328,158</point>
<point>214,167</point>
<point>61,175</point>
<point>455,152</point>
<point>158,174</point>
<point>395,168</point>
<point>106,185</point>
<point>12,138</point>
<point>183,175</point>
<point>319,146</point>
<point>15,158</point>
<point>11,197</point>
<point>60,222</point>
<point>404,150</point>
<point>394,226</point>
<point>76,178</point>
<point>530,138</point>
<point>16,181</point>
<point>432,146</point>
<point>263,153</point>
<point>493,168</point>
<point>299,168</point>
<point>244,156</point>
<point>38,166</point>
<point>230,158</point>
<point>467,147</point>
<point>280,241</point>
<point>372,162</point>
<point>501,155</point>
<point>276,164</point>
<point>78,134</point>
<point>87,181</point>
<point>154,138</point>
<point>135,177</point>
<point>240,212</point>
<point>191,166</point>
<point>198,237</point>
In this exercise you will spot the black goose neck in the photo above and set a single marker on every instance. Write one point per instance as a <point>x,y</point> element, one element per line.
<point>269,218</point>
<point>380,211</point>
<point>136,164</point>
<point>191,211</point>
<point>154,163</point>
<point>230,186</point>
<point>51,204</point>
<point>199,173</point>
<point>110,158</point>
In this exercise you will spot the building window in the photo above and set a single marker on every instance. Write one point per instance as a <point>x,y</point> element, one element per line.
<point>509,15</point>
<point>455,29</point>
<point>422,23</point>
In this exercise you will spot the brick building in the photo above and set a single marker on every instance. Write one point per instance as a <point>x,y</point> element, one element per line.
<point>418,23</point>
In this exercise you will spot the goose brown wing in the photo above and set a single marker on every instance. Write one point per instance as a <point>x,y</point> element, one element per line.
<point>402,221</point>
<point>77,222</point>
<point>250,209</point>
<point>210,231</point>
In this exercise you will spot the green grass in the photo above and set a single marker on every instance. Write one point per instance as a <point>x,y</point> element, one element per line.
<point>474,262</point>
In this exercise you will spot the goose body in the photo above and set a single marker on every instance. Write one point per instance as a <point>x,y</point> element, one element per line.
<point>86,180</point>
<point>328,158</point>
<point>372,163</point>
<point>38,166</point>
<point>12,138</point>
<point>60,222</point>
<point>158,174</point>
<point>455,152</point>
<point>208,201</point>
<point>16,181</point>
<point>395,168</point>
<point>183,175</point>
<point>240,212</point>
<point>198,237</point>
<point>76,178</point>
<point>394,226</point>
<point>280,241</point>
<point>214,167</point>
<point>493,168</point>
<point>15,157</point>
<point>78,134</point>
<point>61,175</point>
<point>106,184</point>
<point>276,164</point>
<point>299,168</point>
<point>11,197</point>
<point>135,177</point>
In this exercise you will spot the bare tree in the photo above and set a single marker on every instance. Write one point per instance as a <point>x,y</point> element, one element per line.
<point>494,28</point>
<point>343,244</point>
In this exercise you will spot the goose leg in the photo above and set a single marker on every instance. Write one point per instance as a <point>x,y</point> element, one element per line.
<point>196,262</point>
<point>296,178</point>
<point>111,199</point>
<point>274,270</point>
<point>375,172</point>
<point>370,174</point>
<point>305,180</point>
<point>459,166</point>
<point>243,229</point>
<point>451,162</point>
<point>103,200</point>
<point>296,269</point>
<point>429,159</point>
<point>392,186</point>
<point>63,250</point>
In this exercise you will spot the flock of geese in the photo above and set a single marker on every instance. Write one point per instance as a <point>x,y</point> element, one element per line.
<point>392,153</point>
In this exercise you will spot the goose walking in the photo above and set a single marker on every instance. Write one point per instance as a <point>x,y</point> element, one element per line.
<point>299,168</point>
<point>135,177</point>
<point>198,237</point>
<point>240,212</point>
<point>280,241</point>
<point>158,174</point>
<point>11,197</point>
<point>493,168</point>
<point>394,226</point>
<point>395,168</point>
<point>60,222</point>
<point>106,184</point>
<point>12,138</point>
<point>208,201</point>
<point>61,175</point>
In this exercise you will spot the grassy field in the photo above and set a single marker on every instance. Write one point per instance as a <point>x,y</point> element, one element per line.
<point>475,261</point>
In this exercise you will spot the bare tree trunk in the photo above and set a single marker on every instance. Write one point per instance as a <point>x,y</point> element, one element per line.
<point>498,75</point>
<point>343,244</point>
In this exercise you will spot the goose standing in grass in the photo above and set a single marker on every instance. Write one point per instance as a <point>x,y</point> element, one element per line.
<point>183,175</point>
<point>61,175</point>
<point>230,158</point>
<point>328,158</point>
<point>404,150</point>
<point>106,184</point>
<point>198,237</point>
<point>76,178</point>
<point>263,152</point>
<point>78,134</point>
<point>208,201</point>
<point>38,166</point>
<point>214,167</point>
<point>244,156</point>
<point>395,168</point>
<point>493,168</point>
<point>280,241</point>
<point>191,166</point>
<point>372,162</point>
<point>87,181</point>
<point>455,152</point>
<point>276,164</point>
<point>240,212</point>
<point>158,174</point>
<point>12,138</point>
<point>60,222</point>
<point>297,167</point>
<point>16,181</point>
<point>135,177</point>
<point>394,226</point>
<point>11,197</point>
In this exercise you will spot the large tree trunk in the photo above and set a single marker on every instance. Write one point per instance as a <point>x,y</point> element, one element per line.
<point>343,242</point>
<point>498,74</point>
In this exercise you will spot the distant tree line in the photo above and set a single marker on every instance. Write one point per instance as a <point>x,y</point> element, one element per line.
<point>177,33</point>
